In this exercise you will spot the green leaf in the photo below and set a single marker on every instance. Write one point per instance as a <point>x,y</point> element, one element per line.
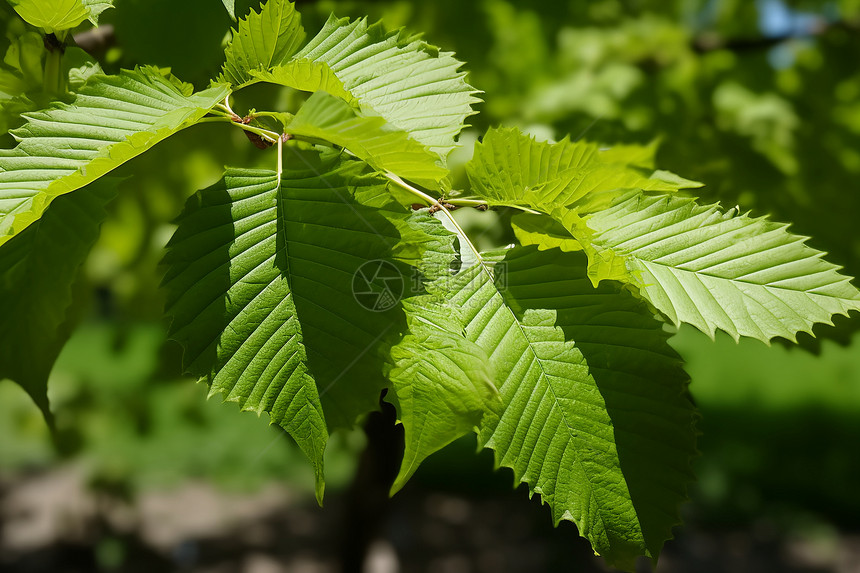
<point>230,5</point>
<point>383,147</point>
<point>442,384</point>
<point>283,293</point>
<point>37,270</point>
<point>544,232</point>
<point>643,156</point>
<point>79,66</point>
<point>414,86</point>
<point>21,78</point>
<point>309,76</point>
<point>112,119</point>
<point>510,168</point>
<point>261,41</point>
<point>638,374</point>
<point>579,426</point>
<point>233,308</point>
<point>554,432</point>
<point>24,58</point>
<point>59,15</point>
<point>746,276</point>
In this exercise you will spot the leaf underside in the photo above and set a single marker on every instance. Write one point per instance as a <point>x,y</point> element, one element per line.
<point>262,40</point>
<point>412,85</point>
<point>112,120</point>
<point>696,264</point>
<point>328,118</point>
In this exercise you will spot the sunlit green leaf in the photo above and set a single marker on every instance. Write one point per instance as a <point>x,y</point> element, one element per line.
<point>514,169</point>
<point>543,232</point>
<point>442,383</point>
<point>307,75</point>
<point>262,40</point>
<point>283,292</point>
<point>55,16</point>
<point>728,271</point>
<point>382,146</point>
<point>111,120</point>
<point>411,84</point>
<point>230,5</point>
<point>558,428</point>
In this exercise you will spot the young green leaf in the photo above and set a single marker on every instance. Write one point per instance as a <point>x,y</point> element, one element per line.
<point>37,270</point>
<point>414,86</point>
<point>261,41</point>
<point>442,382</point>
<point>21,78</point>
<point>371,139</point>
<point>510,168</point>
<point>111,120</point>
<point>308,76</point>
<point>55,16</point>
<point>743,275</point>
<point>543,232</point>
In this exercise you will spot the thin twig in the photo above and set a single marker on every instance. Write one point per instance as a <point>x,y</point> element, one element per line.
<point>433,201</point>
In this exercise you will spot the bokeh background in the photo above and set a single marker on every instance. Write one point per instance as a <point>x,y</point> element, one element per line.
<point>760,100</point>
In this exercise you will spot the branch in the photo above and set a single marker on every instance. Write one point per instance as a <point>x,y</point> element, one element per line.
<point>713,42</point>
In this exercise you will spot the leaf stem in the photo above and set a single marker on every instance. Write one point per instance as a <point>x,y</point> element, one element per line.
<point>271,136</point>
<point>280,158</point>
<point>433,201</point>
<point>228,116</point>
<point>480,202</point>
<point>226,106</point>
<point>53,81</point>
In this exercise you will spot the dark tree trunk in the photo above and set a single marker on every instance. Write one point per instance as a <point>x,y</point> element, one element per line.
<point>367,502</point>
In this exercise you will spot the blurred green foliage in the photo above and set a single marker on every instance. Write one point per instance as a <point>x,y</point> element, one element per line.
<point>125,414</point>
